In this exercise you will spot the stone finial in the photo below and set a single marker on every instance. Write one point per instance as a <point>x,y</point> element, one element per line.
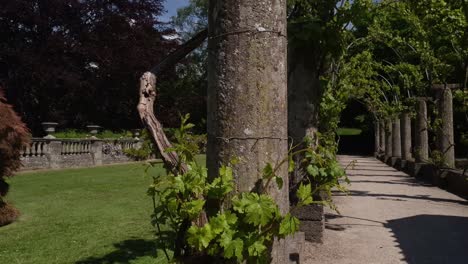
<point>136,133</point>
<point>49,128</point>
<point>93,130</point>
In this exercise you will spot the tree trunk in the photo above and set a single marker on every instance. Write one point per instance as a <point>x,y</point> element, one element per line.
<point>247,94</point>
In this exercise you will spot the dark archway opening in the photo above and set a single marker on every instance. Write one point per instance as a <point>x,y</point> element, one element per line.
<point>356,133</point>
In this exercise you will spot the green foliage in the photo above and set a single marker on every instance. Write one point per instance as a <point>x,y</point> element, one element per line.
<point>147,149</point>
<point>323,172</point>
<point>437,159</point>
<point>348,131</point>
<point>239,226</point>
<point>105,134</point>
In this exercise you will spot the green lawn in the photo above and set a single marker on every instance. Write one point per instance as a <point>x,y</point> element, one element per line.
<point>95,215</point>
<point>348,131</point>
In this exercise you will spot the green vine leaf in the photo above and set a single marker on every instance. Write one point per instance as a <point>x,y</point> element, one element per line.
<point>232,248</point>
<point>259,210</point>
<point>200,237</point>
<point>304,193</point>
<point>313,170</point>
<point>257,249</point>
<point>192,209</point>
<point>289,225</point>
<point>279,182</point>
<point>268,171</point>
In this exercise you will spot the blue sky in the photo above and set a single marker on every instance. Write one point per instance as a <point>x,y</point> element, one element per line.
<point>171,7</point>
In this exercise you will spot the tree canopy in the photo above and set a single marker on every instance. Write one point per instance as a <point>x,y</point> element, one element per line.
<point>78,62</point>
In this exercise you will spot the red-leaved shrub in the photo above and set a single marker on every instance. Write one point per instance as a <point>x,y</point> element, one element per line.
<point>14,136</point>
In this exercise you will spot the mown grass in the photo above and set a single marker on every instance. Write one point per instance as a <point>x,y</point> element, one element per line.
<point>94,215</point>
<point>348,131</point>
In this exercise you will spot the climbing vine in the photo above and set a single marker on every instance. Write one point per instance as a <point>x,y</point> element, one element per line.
<point>234,226</point>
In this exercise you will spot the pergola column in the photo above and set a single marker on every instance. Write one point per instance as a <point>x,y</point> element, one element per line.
<point>396,138</point>
<point>382,136</point>
<point>377,137</point>
<point>421,142</point>
<point>388,138</point>
<point>405,136</point>
<point>445,137</point>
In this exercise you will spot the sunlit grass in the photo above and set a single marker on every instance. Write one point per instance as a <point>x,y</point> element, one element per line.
<point>94,215</point>
<point>348,131</point>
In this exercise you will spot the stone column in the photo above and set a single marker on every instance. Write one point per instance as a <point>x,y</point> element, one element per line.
<point>376,138</point>
<point>445,137</point>
<point>406,136</point>
<point>247,96</point>
<point>96,152</point>
<point>396,138</point>
<point>382,136</point>
<point>53,153</point>
<point>388,138</point>
<point>421,142</point>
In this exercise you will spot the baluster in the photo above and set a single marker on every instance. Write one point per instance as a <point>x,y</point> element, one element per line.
<point>41,148</point>
<point>35,148</point>
<point>30,150</point>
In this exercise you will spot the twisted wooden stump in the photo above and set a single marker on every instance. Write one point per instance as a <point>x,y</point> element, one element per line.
<point>146,111</point>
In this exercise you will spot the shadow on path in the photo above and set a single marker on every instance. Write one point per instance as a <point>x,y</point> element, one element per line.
<point>124,252</point>
<point>400,182</point>
<point>432,239</point>
<point>400,196</point>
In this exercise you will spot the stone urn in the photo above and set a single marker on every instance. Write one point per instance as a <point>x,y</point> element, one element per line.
<point>136,133</point>
<point>49,128</point>
<point>93,130</point>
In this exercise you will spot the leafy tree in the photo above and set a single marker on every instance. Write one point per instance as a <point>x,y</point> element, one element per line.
<point>14,136</point>
<point>77,62</point>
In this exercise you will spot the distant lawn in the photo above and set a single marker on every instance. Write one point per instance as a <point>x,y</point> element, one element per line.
<point>95,215</point>
<point>348,131</point>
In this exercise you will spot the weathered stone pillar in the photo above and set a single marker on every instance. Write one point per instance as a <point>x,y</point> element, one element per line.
<point>445,137</point>
<point>53,153</point>
<point>388,138</point>
<point>406,136</point>
<point>382,136</point>
<point>376,138</point>
<point>421,142</point>
<point>247,95</point>
<point>96,152</point>
<point>396,138</point>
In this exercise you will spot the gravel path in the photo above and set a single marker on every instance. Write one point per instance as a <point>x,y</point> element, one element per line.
<point>389,217</point>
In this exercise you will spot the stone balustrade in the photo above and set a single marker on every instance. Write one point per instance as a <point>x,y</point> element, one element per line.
<point>48,153</point>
